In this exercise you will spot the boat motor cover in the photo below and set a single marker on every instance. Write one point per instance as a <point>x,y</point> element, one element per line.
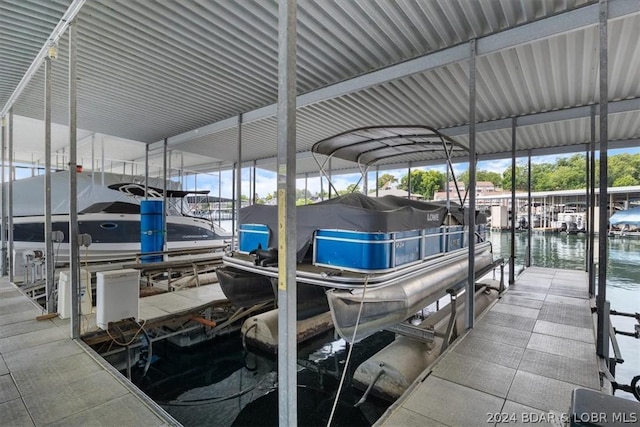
<point>353,212</point>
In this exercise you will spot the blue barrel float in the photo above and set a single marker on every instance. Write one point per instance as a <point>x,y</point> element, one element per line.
<point>151,235</point>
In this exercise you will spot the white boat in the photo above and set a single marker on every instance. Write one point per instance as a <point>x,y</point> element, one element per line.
<point>625,223</point>
<point>114,222</point>
<point>571,222</point>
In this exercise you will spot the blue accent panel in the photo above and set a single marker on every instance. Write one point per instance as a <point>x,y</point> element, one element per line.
<point>433,242</point>
<point>252,235</point>
<point>407,247</point>
<point>151,233</point>
<point>453,238</point>
<point>348,249</point>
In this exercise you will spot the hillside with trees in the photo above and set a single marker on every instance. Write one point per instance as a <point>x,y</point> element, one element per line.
<point>568,173</point>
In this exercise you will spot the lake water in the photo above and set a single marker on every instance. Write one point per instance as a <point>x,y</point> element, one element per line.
<point>220,383</point>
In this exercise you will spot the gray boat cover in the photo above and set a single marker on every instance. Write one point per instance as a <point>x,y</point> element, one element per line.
<point>353,212</point>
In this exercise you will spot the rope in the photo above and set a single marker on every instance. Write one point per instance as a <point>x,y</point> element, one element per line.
<point>346,364</point>
<point>132,339</point>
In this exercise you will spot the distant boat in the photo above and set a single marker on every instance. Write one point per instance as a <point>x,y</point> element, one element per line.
<point>625,223</point>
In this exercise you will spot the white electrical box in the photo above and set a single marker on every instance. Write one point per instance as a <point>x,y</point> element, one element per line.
<point>117,296</point>
<point>64,293</point>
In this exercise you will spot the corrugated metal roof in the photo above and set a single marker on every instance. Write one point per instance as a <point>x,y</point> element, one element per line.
<point>150,70</point>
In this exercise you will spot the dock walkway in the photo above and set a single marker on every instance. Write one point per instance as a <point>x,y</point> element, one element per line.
<point>46,378</point>
<point>518,365</point>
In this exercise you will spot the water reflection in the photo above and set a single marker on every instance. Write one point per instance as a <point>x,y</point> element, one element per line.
<point>221,384</point>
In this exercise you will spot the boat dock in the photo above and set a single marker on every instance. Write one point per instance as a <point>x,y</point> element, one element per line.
<point>518,365</point>
<point>46,378</point>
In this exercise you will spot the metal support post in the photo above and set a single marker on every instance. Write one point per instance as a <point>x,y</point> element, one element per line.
<point>3,214</point>
<point>48,228</point>
<point>591,223</point>
<point>164,194</point>
<point>602,344</point>
<point>529,221</point>
<point>239,177</point>
<point>220,198</point>
<point>234,197</point>
<point>74,249</point>
<point>452,321</point>
<point>10,197</point>
<point>409,180</point>
<point>471,221</point>
<point>287,381</point>
<point>512,255</point>
<point>146,172</point>
<point>253,187</point>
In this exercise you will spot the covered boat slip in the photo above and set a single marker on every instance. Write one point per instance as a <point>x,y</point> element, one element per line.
<point>46,378</point>
<point>519,365</point>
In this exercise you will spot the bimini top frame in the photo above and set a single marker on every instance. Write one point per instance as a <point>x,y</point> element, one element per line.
<point>371,146</point>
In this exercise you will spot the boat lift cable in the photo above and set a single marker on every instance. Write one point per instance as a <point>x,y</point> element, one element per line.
<point>346,364</point>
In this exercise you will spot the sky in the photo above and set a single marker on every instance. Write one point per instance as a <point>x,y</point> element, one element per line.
<point>266,181</point>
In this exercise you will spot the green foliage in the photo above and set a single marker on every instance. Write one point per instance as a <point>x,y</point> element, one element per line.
<point>571,173</point>
<point>623,170</point>
<point>352,188</point>
<point>303,194</point>
<point>423,182</point>
<point>493,177</point>
<point>384,179</point>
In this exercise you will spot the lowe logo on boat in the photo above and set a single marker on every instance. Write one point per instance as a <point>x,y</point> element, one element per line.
<point>433,217</point>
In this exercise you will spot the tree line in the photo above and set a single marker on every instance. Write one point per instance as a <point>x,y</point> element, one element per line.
<point>564,174</point>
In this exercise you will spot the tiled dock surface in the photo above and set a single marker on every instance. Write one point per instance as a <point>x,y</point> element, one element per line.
<point>48,379</point>
<point>522,359</point>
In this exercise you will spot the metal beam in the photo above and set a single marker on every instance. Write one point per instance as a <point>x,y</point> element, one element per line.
<point>471,217</point>
<point>549,27</point>
<point>628,105</point>
<point>529,222</point>
<point>592,205</point>
<point>3,214</point>
<point>10,197</point>
<point>287,345</point>
<point>74,248</point>
<point>512,256</point>
<point>602,344</point>
<point>236,214</point>
<point>617,107</point>
<point>48,227</point>
<point>53,38</point>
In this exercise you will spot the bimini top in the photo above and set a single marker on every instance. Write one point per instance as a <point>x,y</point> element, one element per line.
<point>138,190</point>
<point>368,146</point>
